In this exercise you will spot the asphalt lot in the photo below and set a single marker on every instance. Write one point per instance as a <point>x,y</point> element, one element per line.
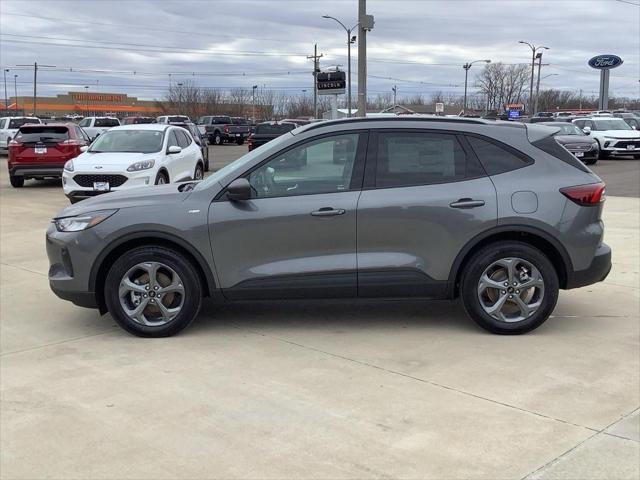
<point>375,389</point>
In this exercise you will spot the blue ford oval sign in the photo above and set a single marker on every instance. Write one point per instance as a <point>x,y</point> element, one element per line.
<point>605,61</point>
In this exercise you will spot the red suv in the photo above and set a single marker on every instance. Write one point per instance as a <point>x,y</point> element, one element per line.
<point>39,151</point>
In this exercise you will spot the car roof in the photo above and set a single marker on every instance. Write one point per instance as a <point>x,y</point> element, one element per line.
<point>30,118</point>
<point>159,127</point>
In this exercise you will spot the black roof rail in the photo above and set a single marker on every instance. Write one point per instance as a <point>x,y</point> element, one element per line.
<point>475,121</point>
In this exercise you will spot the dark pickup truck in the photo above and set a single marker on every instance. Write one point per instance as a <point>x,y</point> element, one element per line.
<point>267,131</point>
<point>222,128</point>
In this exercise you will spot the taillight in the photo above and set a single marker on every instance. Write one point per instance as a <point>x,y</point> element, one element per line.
<point>586,195</point>
<point>226,129</point>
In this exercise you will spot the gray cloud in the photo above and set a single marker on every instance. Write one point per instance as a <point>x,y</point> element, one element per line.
<point>226,38</point>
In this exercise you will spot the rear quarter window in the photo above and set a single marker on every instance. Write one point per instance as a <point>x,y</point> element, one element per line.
<point>496,159</point>
<point>552,147</point>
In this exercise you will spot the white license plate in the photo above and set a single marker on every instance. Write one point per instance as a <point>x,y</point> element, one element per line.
<point>41,150</point>
<point>631,147</point>
<point>101,186</point>
<point>578,154</point>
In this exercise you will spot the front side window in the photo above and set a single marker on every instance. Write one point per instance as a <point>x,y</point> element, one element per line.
<point>611,124</point>
<point>183,138</point>
<point>106,122</point>
<point>85,122</point>
<point>134,141</point>
<point>320,166</point>
<point>421,158</point>
<point>494,158</point>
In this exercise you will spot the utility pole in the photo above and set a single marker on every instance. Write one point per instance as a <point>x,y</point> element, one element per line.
<point>533,64</point>
<point>581,100</point>
<point>316,69</point>
<point>535,105</point>
<point>6,99</point>
<point>466,67</point>
<point>395,93</point>
<point>365,23</point>
<point>35,82</point>
<point>253,103</point>
<point>15,90</point>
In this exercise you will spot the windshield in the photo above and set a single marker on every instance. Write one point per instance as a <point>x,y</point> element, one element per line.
<point>568,129</point>
<point>242,161</point>
<point>135,141</point>
<point>18,122</point>
<point>275,128</point>
<point>611,124</point>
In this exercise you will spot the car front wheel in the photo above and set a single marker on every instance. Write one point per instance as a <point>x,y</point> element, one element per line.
<point>153,291</point>
<point>509,288</point>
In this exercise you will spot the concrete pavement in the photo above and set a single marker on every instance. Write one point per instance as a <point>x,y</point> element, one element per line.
<point>315,389</point>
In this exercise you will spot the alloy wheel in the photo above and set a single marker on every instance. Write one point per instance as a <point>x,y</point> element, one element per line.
<point>151,294</point>
<point>511,289</point>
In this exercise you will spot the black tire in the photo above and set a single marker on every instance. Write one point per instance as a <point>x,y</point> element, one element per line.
<point>217,139</point>
<point>171,258</point>
<point>161,178</point>
<point>73,200</point>
<point>602,155</point>
<point>17,181</point>
<point>636,156</point>
<point>205,157</point>
<point>240,141</point>
<point>198,173</point>
<point>591,161</point>
<point>481,260</point>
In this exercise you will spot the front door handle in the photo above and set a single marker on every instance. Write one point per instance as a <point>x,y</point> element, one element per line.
<point>328,212</point>
<point>467,203</point>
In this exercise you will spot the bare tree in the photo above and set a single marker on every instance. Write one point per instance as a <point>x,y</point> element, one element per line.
<point>501,84</point>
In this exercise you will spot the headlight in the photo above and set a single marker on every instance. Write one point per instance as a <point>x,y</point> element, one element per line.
<point>82,222</point>
<point>69,166</point>
<point>141,165</point>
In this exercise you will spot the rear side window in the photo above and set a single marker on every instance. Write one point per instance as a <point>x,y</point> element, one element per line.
<point>42,134</point>
<point>553,148</point>
<point>496,159</point>
<point>18,122</point>
<point>222,120</point>
<point>275,128</point>
<point>106,122</point>
<point>421,158</point>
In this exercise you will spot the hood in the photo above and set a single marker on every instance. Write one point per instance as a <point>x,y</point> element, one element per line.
<point>154,195</point>
<point>563,139</point>
<point>620,133</point>
<point>111,160</point>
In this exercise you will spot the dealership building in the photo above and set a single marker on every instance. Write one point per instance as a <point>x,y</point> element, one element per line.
<point>86,104</point>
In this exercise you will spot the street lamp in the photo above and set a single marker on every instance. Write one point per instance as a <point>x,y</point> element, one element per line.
<point>86,99</point>
<point>533,64</point>
<point>253,103</point>
<point>6,99</point>
<point>15,90</point>
<point>350,39</point>
<point>466,67</point>
<point>179,97</point>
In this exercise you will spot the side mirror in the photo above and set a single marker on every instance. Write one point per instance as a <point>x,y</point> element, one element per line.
<point>173,149</point>
<point>587,130</point>
<point>239,190</point>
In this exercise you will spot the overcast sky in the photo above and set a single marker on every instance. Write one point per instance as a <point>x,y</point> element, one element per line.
<point>418,45</point>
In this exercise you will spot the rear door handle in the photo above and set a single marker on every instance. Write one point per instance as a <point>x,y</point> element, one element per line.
<point>328,212</point>
<point>467,203</point>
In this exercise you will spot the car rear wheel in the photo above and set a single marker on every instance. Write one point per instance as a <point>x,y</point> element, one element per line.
<point>240,141</point>
<point>217,139</point>
<point>153,291</point>
<point>161,178</point>
<point>17,181</point>
<point>509,288</point>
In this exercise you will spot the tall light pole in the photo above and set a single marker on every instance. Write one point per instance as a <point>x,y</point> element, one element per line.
<point>253,102</point>
<point>350,39</point>
<point>366,25</point>
<point>466,67</point>
<point>539,57</point>
<point>15,90</point>
<point>395,95</point>
<point>179,97</point>
<point>6,99</point>
<point>533,65</point>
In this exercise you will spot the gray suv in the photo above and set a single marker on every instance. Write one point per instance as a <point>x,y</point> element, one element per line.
<point>496,213</point>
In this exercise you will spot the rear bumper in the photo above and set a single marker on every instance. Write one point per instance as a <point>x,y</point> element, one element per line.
<point>597,271</point>
<point>26,170</point>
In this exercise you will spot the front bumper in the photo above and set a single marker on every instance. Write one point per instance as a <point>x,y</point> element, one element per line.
<point>67,277</point>
<point>596,272</point>
<point>621,146</point>
<point>134,180</point>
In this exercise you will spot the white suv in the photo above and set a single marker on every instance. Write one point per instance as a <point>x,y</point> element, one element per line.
<point>614,135</point>
<point>133,156</point>
<point>9,127</point>
<point>95,126</point>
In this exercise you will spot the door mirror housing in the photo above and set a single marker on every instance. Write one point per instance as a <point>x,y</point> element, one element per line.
<point>587,130</point>
<point>239,190</point>
<point>173,149</point>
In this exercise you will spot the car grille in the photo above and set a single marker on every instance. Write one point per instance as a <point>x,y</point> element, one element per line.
<point>578,147</point>
<point>89,180</point>
<point>624,143</point>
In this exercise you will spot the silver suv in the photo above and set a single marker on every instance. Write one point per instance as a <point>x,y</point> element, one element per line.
<point>496,213</point>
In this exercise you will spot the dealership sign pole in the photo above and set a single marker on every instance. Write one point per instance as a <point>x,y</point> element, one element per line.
<point>604,63</point>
